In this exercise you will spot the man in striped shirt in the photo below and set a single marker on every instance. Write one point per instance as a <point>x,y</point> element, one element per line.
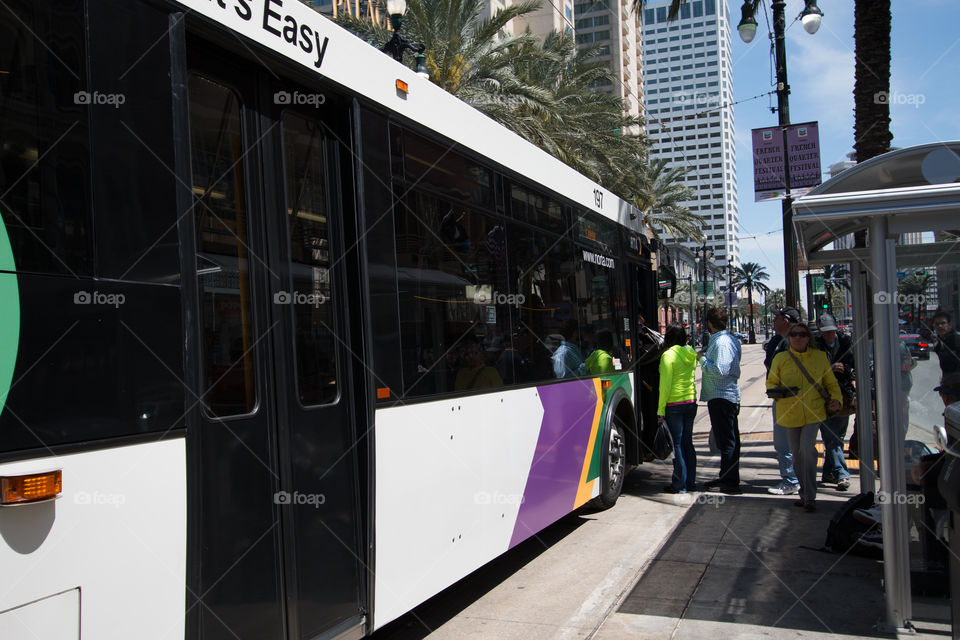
<point>720,389</point>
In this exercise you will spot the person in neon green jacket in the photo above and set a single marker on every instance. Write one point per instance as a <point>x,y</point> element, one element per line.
<point>601,360</point>
<point>678,406</point>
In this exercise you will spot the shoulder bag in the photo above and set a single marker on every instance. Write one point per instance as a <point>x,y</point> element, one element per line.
<point>823,392</point>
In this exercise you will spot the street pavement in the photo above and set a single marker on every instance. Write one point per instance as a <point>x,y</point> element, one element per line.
<point>667,566</point>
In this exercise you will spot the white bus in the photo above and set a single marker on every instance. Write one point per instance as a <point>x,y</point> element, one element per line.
<point>291,339</point>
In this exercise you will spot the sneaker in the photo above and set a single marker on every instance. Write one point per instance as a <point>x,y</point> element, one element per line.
<point>868,516</point>
<point>872,539</point>
<point>829,480</point>
<point>784,488</point>
<point>843,484</point>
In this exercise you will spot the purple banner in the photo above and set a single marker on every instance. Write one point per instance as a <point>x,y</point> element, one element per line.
<point>769,160</point>
<point>803,153</point>
<point>769,179</point>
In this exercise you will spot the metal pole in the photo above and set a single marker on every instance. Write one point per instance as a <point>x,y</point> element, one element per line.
<point>783,112</point>
<point>896,554</point>
<point>693,319</point>
<point>730,294</point>
<point>858,286</point>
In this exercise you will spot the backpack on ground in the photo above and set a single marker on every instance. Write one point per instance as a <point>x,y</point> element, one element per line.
<point>844,531</point>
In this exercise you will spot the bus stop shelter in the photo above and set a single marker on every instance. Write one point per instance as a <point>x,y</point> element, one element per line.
<point>908,204</point>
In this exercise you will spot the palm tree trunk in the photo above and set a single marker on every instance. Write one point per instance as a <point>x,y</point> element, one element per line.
<point>751,334</point>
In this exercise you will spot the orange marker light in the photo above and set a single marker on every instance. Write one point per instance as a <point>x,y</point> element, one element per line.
<point>30,488</point>
<point>383,393</point>
<point>606,384</point>
<point>402,86</point>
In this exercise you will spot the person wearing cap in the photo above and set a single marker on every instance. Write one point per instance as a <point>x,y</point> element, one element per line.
<point>833,431</point>
<point>783,319</point>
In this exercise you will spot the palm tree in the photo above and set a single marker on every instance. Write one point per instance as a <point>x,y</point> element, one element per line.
<point>835,276</point>
<point>913,288</point>
<point>777,299</point>
<point>585,128</point>
<point>471,58</point>
<point>751,275</point>
<point>661,191</point>
<point>871,83</point>
<point>871,80</point>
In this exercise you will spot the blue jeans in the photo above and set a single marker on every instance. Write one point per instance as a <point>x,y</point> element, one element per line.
<point>782,446</point>
<point>679,419</point>
<point>833,431</point>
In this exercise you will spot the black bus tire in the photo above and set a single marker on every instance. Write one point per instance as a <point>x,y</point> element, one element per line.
<point>614,465</point>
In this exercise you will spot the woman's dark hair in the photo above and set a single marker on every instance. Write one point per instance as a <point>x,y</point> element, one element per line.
<point>676,335</point>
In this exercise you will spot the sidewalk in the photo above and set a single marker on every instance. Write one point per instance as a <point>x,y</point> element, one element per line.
<point>668,566</point>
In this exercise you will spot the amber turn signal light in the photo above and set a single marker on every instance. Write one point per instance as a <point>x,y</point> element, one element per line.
<point>35,487</point>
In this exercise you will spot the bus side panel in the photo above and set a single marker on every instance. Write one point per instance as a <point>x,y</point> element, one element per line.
<point>461,481</point>
<point>116,540</point>
<point>449,479</point>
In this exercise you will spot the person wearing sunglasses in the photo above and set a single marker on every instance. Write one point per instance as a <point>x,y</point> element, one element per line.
<point>807,369</point>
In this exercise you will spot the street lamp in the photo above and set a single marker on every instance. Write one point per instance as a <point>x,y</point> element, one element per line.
<point>400,43</point>
<point>705,251</point>
<point>810,18</point>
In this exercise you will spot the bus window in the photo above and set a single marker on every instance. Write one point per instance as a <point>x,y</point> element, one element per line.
<point>542,274</point>
<point>216,147</point>
<point>454,303</point>
<point>44,156</point>
<point>597,291</point>
<point>307,214</point>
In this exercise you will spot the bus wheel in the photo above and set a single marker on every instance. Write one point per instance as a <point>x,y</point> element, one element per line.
<point>614,466</point>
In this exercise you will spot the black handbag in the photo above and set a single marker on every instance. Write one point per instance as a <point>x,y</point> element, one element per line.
<point>662,442</point>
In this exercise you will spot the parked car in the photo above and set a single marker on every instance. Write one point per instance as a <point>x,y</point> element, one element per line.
<point>919,347</point>
<point>742,338</point>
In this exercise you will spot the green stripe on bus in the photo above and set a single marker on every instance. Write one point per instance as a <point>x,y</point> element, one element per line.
<point>9,316</point>
<point>617,381</point>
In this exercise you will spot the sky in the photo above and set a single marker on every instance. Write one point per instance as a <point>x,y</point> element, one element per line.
<point>924,96</point>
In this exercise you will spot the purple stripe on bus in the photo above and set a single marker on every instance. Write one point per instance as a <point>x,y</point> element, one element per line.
<point>568,410</point>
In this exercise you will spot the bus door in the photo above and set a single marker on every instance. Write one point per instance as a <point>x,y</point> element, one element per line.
<point>646,378</point>
<point>275,549</point>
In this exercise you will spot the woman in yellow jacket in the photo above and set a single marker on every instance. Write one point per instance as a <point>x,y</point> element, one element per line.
<point>677,406</point>
<point>801,414</point>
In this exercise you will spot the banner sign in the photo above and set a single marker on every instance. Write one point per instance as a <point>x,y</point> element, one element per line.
<point>771,161</point>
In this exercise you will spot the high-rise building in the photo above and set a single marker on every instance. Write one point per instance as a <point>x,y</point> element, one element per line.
<point>613,27</point>
<point>553,15</point>
<point>688,101</point>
